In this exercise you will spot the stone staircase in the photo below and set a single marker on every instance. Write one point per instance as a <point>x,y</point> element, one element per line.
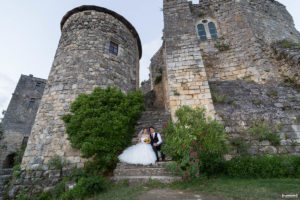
<point>137,174</point>
<point>5,176</point>
<point>155,118</point>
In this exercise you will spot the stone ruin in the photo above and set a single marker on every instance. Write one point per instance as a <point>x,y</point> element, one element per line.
<point>216,48</point>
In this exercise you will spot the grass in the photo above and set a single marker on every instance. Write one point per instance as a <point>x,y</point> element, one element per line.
<point>287,44</point>
<point>219,98</point>
<point>123,191</point>
<point>250,189</point>
<point>223,187</point>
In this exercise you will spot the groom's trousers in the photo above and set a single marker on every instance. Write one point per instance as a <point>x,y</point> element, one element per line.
<point>156,149</point>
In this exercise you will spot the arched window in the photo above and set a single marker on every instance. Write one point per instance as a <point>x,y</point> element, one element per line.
<point>201,32</point>
<point>212,30</point>
<point>207,30</point>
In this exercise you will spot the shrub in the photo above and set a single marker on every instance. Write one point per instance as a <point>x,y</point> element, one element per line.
<point>263,131</point>
<point>194,133</point>
<point>19,155</point>
<point>45,196</point>
<point>240,145</point>
<point>17,171</point>
<point>1,131</point>
<point>101,124</point>
<point>56,162</point>
<point>22,196</point>
<point>176,93</point>
<point>221,45</point>
<point>189,166</point>
<point>218,98</point>
<point>257,102</point>
<point>272,93</point>
<point>59,189</point>
<point>86,187</point>
<point>264,167</point>
<point>288,44</point>
<point>158,79</point>
<point>201,14</point>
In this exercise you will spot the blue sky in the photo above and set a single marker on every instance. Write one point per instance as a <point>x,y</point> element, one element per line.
<point>30,32</point>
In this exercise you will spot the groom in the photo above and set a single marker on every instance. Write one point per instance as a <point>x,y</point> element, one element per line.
<point>156,142</point>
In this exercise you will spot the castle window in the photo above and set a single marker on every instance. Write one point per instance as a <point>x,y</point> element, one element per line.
<point>202,32</point>
<point>113,48</point>
<point>212,30</point>
<point>31,103</point>
<point>207,30</point>
<point>38,86</point>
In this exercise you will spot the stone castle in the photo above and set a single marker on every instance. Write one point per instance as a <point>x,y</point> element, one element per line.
<point>19,117</point>
<point>213,49</point>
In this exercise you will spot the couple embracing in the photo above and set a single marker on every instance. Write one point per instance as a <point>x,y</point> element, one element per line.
<point>146,151</point>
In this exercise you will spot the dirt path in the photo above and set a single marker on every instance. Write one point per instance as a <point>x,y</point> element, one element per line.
<point>168,194</point>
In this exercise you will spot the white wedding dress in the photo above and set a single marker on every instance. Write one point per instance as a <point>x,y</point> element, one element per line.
<point>141,153</point>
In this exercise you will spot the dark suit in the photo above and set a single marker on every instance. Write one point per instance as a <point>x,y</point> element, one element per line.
<point>156,148</point>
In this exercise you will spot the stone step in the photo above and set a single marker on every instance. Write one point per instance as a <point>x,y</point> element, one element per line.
<point>129,166</point>
<point>144,179</point>
<point>142,172</point>
<point>3,189</point>
<point>6,171</point>
<point>4,179</point>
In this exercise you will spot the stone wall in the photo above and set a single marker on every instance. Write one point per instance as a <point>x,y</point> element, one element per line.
<point>186,75</point>
<point>243,102</point>
<point>82,62</point>
<point>248,28</point>
<point>159,80</point>
<point>288,61</point>
<point>19,116</point>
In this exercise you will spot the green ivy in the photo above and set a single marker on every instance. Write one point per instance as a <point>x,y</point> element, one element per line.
<point>101,124</point>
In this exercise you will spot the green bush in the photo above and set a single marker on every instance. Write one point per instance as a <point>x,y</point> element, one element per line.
<point>56,162</point>
<point>272,93</point>
<point>45,196</point>
<point>17,171</point>
<point>288,44</point>
<point>188,167</point>
<point>240,145</point>
<point>264,131</point>
<point>86,187</point>
<point>266,166</point>
<point>221,45</point>
<point>101,124</point>
<point>194,133</point>
<point>219,98</point>
<point>19,155</point>
<point>158,79</point>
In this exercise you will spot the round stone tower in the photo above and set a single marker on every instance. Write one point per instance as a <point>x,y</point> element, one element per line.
<point>98,47</point>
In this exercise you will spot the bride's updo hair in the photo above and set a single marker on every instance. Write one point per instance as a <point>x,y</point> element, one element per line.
<point>144,130</point>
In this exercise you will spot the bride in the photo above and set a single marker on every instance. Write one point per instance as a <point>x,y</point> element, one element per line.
<point>141,153</point>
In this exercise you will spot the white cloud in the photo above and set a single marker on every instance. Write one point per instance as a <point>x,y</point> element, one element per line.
<point>149,49</point>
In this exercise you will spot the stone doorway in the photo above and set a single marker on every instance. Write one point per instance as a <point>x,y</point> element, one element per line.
<point>9,161</point>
